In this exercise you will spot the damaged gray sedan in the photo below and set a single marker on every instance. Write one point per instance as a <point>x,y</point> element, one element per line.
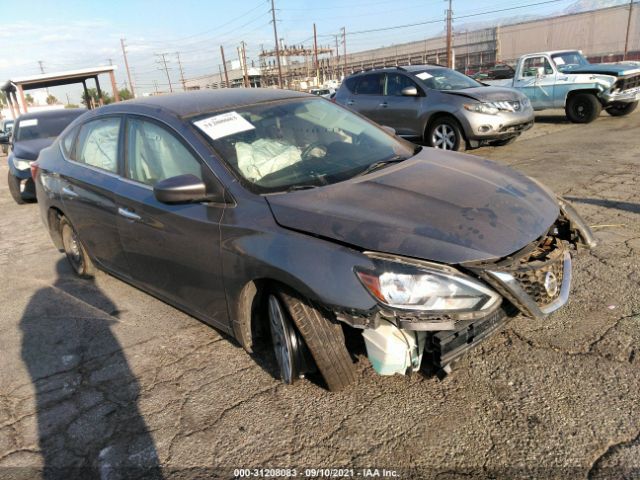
<point>276,215</point>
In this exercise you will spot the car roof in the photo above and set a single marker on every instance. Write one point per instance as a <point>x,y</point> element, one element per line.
<point>55,113</point>
<point>405,68</point>
<point>202,101</point>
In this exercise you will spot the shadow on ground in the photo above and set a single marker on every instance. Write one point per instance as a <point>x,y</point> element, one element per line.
<point>617,204</point>
<point>89,425</point>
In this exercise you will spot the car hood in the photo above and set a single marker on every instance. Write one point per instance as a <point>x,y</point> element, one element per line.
<point>439,206</point>
<point>30,149</point>
<point>487,94</point>
<point>614,69</point>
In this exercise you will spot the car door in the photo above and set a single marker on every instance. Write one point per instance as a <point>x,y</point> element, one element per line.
<point>172,250</point>
<point>87,183</point>
<point>539,87</point>
<point>399,111</point>
<point>368,96</point>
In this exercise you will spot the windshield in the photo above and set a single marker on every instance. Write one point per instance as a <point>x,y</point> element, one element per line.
<point>569,60</point>
<point>45,127</point>
<point>445,79</point>
<point>301,143</point>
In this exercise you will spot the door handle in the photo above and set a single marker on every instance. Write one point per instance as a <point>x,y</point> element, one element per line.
<point>128,214</point>
<point>69,193</point>
<point>350,102</point>
<point>383,105</point>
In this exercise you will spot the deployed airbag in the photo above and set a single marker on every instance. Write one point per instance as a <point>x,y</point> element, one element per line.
<point>265,156</point>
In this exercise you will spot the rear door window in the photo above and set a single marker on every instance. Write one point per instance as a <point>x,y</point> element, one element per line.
<point>98,144</point>
<point>372,84</point>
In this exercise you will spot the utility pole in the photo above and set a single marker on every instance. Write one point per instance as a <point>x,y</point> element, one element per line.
<point>155,84</point>
<point>126,66</point>
<point>224,65</point>
<point>337,66</point>
<point>245,73</point>
<point>449,37</point>
<point>344,50</point>
<point>626,41</point>
<point>315,54</point>
<point>42,71</point>
<point>275,37</point>
<point>166,69</point>
<point>184,88</point>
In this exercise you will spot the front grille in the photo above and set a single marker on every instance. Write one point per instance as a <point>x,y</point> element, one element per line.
<point>533,277</point>
<point>630,82</point>
<point>509,106</point>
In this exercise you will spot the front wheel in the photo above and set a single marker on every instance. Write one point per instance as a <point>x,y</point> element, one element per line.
<point>321,334</point>
<point>445,133</point>
<point>75,251</point>
<point>583,108</point>
<point>621,109</point>
<point>14,189</point>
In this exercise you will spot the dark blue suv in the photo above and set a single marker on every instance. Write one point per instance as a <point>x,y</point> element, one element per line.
<point>32,132</point>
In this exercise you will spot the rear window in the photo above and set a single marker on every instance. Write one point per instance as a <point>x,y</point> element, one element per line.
<point>43,127</point>
<point>370,84</point>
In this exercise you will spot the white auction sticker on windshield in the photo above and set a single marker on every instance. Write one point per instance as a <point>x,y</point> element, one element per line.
<point>223,125</point>
<point>29,122</point>
<point>423,75</point>
<point>559,60</point>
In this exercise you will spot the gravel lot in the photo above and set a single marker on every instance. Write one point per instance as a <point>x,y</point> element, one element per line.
<point>99,375</point>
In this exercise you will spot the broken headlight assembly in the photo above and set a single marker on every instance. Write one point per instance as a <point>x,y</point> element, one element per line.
<point>425,287</point>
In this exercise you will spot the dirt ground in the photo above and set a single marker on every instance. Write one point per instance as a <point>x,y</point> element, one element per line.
<point>96,375</point>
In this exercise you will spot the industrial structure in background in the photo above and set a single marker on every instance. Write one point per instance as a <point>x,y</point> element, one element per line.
<point>605,35</point>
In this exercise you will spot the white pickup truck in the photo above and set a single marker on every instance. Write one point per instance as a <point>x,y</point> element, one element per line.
<point>566,79</point>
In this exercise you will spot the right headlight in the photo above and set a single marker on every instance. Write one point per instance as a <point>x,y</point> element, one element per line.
<point>21,164</point>
<point>488,108</point>
<point>424,286</point>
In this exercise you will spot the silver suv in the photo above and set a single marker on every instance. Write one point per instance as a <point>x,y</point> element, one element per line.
<point>438,106</point>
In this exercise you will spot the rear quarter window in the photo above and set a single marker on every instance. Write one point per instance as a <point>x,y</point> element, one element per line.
<point>350,84</point>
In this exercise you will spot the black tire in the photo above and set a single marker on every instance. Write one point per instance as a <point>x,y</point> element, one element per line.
<point>75,251</point>
<point>621,109</point>
<point>324,337</point>
<point>14,189</point>
<point>503,142</point>
<point>583,108</point>
<point>445,133</point>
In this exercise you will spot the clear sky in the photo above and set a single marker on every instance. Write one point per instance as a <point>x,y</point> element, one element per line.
<point>68,34</point>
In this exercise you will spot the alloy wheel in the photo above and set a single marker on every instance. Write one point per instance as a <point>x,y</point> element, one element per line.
<point>72,247</point>
<point>285,342</point>
<point>443,137</point>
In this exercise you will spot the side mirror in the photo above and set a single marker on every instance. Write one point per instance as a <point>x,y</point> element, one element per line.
<point>5,138</point>
<point>388,129</point>
<point>183,189</point>
<point>409,92</point>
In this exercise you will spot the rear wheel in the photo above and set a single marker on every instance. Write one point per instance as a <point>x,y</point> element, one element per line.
<point>621,109</point>
<point>75,251</point>
<point>321,334</point>
<point>583,108</point>
<point>445,133</point>
<point>14,189</point>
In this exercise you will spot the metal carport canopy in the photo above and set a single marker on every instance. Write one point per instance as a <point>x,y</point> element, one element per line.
<point>46,80</point>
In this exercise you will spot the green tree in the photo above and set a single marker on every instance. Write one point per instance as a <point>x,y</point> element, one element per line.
<point>29,99</point>
<point>93,94</point>
<point>125,94</point>
<point>51,99</point>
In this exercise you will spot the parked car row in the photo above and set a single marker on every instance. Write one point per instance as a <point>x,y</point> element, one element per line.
<point>32,132</point>
<point>281,217</point>
<point>445,109</point>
